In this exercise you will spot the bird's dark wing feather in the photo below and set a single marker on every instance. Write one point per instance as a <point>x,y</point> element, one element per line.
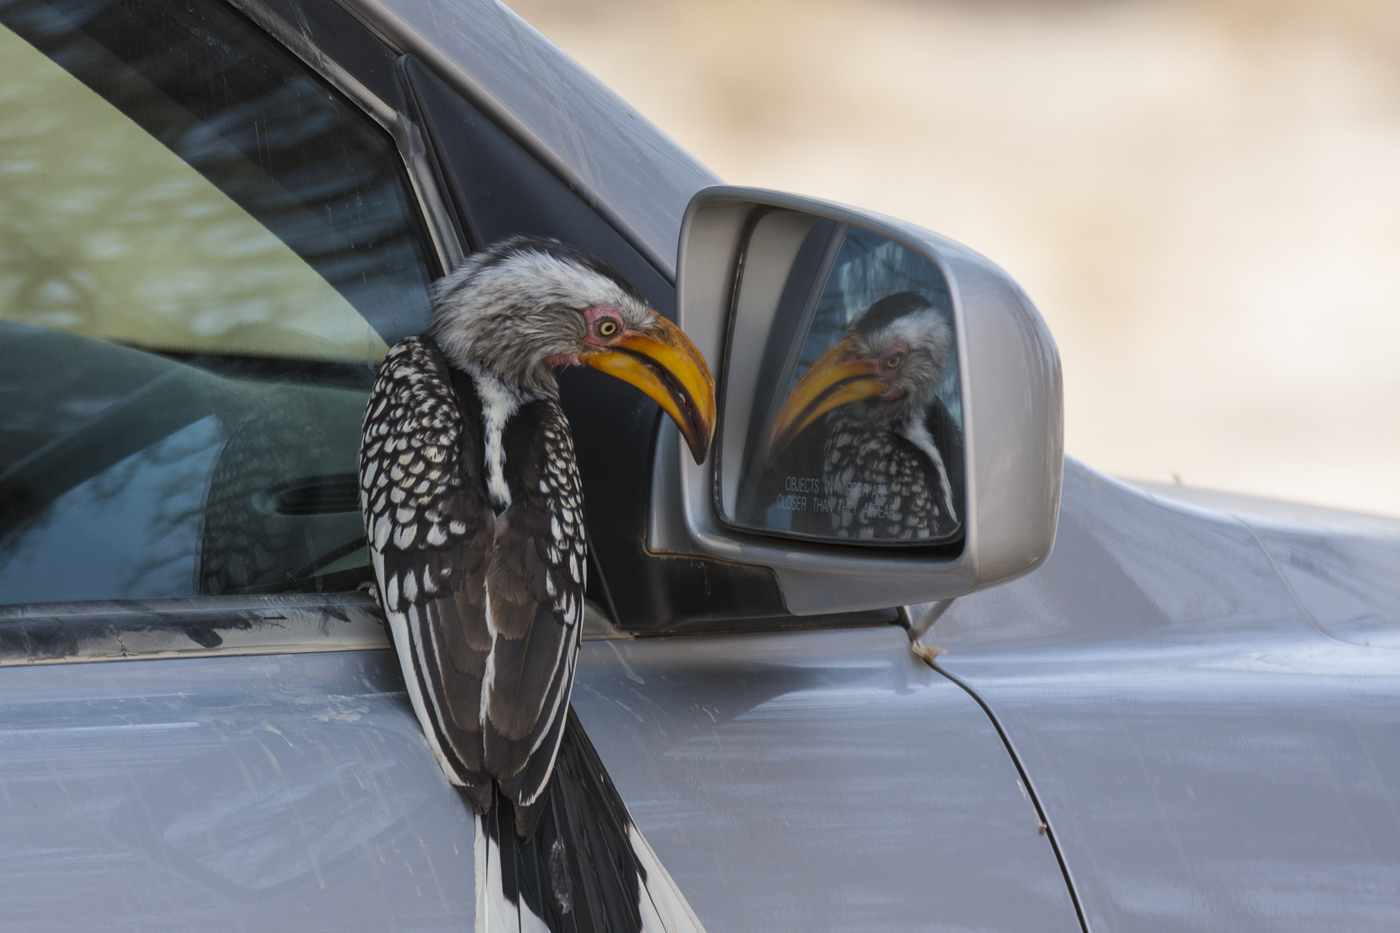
<point>535,584</point>
<point>430,532</point>
<point>580,871</point>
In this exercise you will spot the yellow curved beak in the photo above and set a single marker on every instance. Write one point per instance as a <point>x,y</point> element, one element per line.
<point>840,376</point>
<point>667,367</point>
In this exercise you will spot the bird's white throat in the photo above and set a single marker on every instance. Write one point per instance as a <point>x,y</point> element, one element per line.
<point>499,402</point>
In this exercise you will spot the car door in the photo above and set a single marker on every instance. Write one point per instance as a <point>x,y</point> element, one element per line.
<point>217,217</point>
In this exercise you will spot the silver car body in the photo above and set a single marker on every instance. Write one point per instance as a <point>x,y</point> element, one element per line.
<point>1186,719</point>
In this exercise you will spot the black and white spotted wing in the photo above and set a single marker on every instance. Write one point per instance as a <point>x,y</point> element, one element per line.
<point>882,486</point>
<point>485,607</point>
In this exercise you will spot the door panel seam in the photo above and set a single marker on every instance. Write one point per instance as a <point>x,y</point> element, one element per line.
<point>1030,791</point>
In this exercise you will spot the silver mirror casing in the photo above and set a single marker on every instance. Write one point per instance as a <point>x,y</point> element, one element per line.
<point>1012,422</point>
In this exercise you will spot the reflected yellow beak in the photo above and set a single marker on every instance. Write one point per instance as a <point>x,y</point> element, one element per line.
<point>838,378</point>
<point>667,367</point>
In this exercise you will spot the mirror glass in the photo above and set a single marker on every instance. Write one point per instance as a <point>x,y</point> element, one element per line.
<point>842,408</point>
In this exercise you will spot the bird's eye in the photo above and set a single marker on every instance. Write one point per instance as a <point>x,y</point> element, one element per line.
<point>607,327</point>
<point>894,361</point>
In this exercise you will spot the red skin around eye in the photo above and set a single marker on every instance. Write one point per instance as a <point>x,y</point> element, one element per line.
<point>591,318</point>
<point>594,316</point>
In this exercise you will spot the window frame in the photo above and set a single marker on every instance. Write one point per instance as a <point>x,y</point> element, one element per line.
<point>445,218</point>
<point>437,218</point>
<point>674,594</point>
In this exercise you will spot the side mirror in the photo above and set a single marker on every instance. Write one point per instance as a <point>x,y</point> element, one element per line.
<point>890,427</point>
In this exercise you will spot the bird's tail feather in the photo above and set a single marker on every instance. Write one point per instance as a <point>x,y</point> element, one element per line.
<point>586,868</point>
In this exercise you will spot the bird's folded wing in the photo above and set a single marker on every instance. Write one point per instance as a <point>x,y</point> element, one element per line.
<point>535,584</point>
<point>430,533</point>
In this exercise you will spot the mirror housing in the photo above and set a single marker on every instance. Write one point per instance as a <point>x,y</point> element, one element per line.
<point>1012,413</point>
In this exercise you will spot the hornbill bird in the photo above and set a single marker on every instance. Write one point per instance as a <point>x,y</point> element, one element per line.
<point>892,457</point>
<point>474,512</point>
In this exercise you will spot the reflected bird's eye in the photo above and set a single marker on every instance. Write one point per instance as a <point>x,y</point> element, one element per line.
<point>894,361</point>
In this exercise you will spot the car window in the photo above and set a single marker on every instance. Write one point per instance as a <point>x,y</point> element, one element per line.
<point>203,251</point>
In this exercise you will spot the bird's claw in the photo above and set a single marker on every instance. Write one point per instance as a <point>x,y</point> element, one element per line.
<point>373,591</point>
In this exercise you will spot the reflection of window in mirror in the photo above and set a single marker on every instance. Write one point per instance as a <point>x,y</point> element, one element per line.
<point>202,252</point>
<point>855,430</point>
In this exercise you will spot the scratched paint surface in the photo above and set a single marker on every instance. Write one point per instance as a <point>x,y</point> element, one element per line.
<point>817,780</point>
<point>225,794</point>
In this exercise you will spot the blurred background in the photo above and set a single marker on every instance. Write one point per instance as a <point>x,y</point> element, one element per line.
<point>1201,196</point>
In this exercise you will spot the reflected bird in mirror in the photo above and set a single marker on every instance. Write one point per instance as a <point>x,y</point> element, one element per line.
<point>892,452</point>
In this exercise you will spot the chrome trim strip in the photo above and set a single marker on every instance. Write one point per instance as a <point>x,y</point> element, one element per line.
<point>207,627</point>
<point>405,133</point>
<point>192,627</point>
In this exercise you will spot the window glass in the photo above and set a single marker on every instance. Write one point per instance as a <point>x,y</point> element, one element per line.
<point>203,252</point>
